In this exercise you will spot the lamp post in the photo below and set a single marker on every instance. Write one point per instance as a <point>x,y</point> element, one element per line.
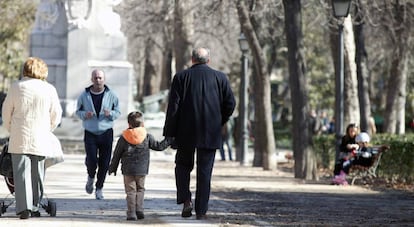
<point>340,11</point>
<point>244,47</point>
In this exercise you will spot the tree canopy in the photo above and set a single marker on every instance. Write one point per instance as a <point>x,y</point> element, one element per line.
<point>16,19</point>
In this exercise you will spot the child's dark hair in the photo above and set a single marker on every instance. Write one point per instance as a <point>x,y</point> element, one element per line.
<point>135,119</point>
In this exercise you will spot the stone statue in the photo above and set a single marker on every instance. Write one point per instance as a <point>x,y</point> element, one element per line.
<point>108,19</point>
<point>78,12</point>
<point>46,15</point>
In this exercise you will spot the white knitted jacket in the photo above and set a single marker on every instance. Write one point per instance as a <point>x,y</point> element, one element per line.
<point>31,111</point>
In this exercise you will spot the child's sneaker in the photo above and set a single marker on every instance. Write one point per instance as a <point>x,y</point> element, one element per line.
<point>340,179</point>
<point>336,180</point>
<point>99,194</point>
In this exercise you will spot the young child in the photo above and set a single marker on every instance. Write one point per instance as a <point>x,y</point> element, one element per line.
<point>133,150</point>
<point>365,154</point>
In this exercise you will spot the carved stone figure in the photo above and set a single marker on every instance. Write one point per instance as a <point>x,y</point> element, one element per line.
<point>46,15</point>
<point>78,12</point>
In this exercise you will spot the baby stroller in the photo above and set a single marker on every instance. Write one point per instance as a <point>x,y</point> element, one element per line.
<point>6,170</point>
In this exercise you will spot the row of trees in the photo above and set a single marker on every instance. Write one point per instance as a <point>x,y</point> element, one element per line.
<point>293,40</point>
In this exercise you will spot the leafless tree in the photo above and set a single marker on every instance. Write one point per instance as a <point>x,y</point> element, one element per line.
<point>362,70</point>
<point>173,28</point>
<point>350,82</point>
<point>264,124</point>
<point>162,33</point>
<point>305,163</point>
<point>397,20</point>
<point>183,32</point>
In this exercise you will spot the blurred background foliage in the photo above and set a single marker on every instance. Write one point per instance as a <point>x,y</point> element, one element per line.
<point>15,21</point>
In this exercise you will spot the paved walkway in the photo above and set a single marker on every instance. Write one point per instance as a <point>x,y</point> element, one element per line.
<point>64,183</point>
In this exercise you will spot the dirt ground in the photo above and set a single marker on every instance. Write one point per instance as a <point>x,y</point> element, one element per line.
<point>276,198</point>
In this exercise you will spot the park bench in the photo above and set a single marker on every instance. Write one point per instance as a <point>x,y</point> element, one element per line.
<point>370,171</point>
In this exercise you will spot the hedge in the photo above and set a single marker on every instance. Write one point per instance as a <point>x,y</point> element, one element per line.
<point>396,166</point>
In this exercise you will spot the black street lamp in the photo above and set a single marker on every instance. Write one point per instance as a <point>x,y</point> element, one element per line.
<point>341,7</point>
<point>244,47</point>
<point>340,11</point>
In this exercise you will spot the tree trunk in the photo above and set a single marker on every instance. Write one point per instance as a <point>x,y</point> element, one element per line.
<point>258,147</point>
<point>166,69</point>
<point>362,75</point>
<point>396,92</point>
<point>305,166</point>
<point>264,126</point>
<point>394,118</point>
<point>148,86</point>
<point>402,100</point>
<point>183,31</point>
<point>351,103</point>
<point>350,95</point>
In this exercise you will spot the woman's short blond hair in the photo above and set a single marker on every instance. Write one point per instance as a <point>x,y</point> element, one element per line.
<point>35,68</point>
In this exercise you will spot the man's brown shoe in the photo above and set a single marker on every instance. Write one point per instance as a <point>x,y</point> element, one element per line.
<point>187,208</point>
<point>25,214</point>
<point>140,214</point>
<point>201,217</point>
<point>35,214</point>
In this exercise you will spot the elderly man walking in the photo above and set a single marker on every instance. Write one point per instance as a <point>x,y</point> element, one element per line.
<point>200,103</point>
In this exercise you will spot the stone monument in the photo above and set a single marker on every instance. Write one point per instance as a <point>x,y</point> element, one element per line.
<point>76,36</point>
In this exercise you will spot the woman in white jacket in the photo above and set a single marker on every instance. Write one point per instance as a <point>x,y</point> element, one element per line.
<point>31,111</point>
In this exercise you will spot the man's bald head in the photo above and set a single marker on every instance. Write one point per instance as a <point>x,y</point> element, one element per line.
<point>201,55</point>
<point>96,72</point>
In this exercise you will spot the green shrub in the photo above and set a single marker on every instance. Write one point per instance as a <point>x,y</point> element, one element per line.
<point>283,136</point>
<point>324,148</point>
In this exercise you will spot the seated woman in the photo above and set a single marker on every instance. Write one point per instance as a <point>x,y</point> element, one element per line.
<point>348,145</point>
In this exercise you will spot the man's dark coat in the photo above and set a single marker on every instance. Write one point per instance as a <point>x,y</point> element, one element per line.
<point>200,102</point>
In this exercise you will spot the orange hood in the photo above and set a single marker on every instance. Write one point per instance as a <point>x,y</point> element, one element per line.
<point>135,136</point>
